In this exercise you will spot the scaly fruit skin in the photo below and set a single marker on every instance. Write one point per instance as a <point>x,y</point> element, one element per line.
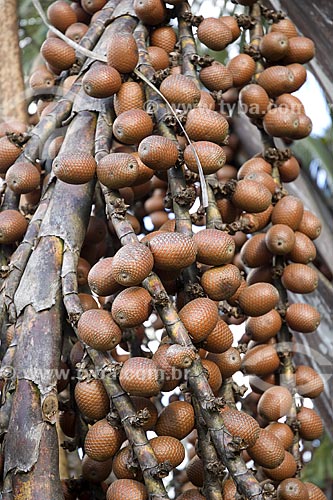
<point>254,100</point>
<point>100,280</point>
<point>229,362</point>
<point>314,492</point>
<point>280,239</point>
<point>131,307</point>
<point>122,52</point>
<point>117,170</point>
<point>258,299</point>
<point>311,425</point>
<point>159,58</point>
<point>242,68</point>
<point>220,339</point>
<point>168,448</point>
<point>220,283</point>
<point>254,252</point>
<point>267,451</point>
<point>172,251</point>
<point>74,168</point>
<point>261,360</point>
<point>212,157</point>
<point>130,96</point>
<point>103,441</point>
<point>213,374</point>
<point>92,399</point>
<point>9,152</point>
<point>308,382</point>
<point>23,177</point>
<point>199,317</point>
<point>285,470</point>
<point>292,489</point>
<point>274,46</point>
<point>132,264</point>
<point>171,377</point>
<point>304,250</point>
<point>283,432</point>
<point>97,329</point>
<point>125,489</point>
<point>176,420</point>
<point>158,152</point>
<point>58,53</point>
<point>206,125</point>
<point>255,164</point>
<point>262,328</point>
<point>61,15</point>
<point>141,377</point>
<point>214,33</point>
<point>310,225</point>
<point>164,37</point>
<point>275,403</point>
<point>214,247</point>
<point>12,226</point>
<point>151,12</point>
<point>241,425</point>
<point>130,127</point>
<point>216,77</point>
<point>180,90</point>
<point>251,197</point>
<point>289,210</point>
<point>101,81</point>
<point>303,318</point>
<point>299,278</point>
<point>195,471</point>
<point>192,494</point>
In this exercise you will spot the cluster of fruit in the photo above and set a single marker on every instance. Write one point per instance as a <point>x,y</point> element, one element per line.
<point>252,244</point>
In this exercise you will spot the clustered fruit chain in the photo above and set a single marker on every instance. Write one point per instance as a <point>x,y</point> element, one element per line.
<point>107,146</point>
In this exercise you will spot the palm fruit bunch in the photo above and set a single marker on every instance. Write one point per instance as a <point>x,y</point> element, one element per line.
<point>130,195</point>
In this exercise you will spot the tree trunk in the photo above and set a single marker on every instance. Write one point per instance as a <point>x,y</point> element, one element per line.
<point>12,95</point>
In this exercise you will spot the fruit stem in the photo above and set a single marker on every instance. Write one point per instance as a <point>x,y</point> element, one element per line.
<point>208,455</point>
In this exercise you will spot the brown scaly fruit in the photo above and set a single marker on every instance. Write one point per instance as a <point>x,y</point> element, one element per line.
<point>141,377</point>
<point>277,80</point>
<point>74,168</point>
<point>130,96</point>
<point>199,317</point>
<point>220,283</point>
<point>171,377</point>
<point>214,33</point>
<point>275,403</point>
<point>267,450</point>
<point>97,329</point>
<point>254,252</point>
<point>158,152</point>
<point>101,81</point>
<point>9,152</point>
<point>303,318</point>
<point>304,250</point>
<point>285,26</point>
<point>258,299</point>
<point>191,494</point>
<point>159,58</point>
<point>132,264</point>
<point>299,278</point>
<point>100,280</point>
<point>195,471</point>
<point>216,77</point>
<point>76,31</point>
<point>256,164</point>
<point>122,52</point>
<point>283,432</point>
<point>251,197</point>
<point>314,492</point>
<point>310,225</point>
<point>274,46</point>
<point>123,489</point>
<point>289,210</point>
<point>61,15</point>
<point>58,54</point>
<point>150,12</point>
<point>164,37</point>
<point>214,247</point>
<point>213,374</point>
<point>23,177</point>
<point>117,170</point>
<point>311,425</point>
<point>280,239</point>
<point>204,124</point>
<point>229,362</point>
<point>212,157</point>
<point>103,441</point>
<point>180,90</point>
<point>285,470</point>
<point>130,127</point>
<point>308,382</point>
<point>242,68</point>
<point>241,425</point>
<point>92,399</point>
<point>261,360</point>
<point>172,251</point>
<point>12,226</point>
<point>300,50</point>
<point>262,328</point>
<point>254,100</point>
<point>168,448</point>
<point>176,420</point>
<point>131,307</point>
<point>220,339</point>
<point>292,489</point>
